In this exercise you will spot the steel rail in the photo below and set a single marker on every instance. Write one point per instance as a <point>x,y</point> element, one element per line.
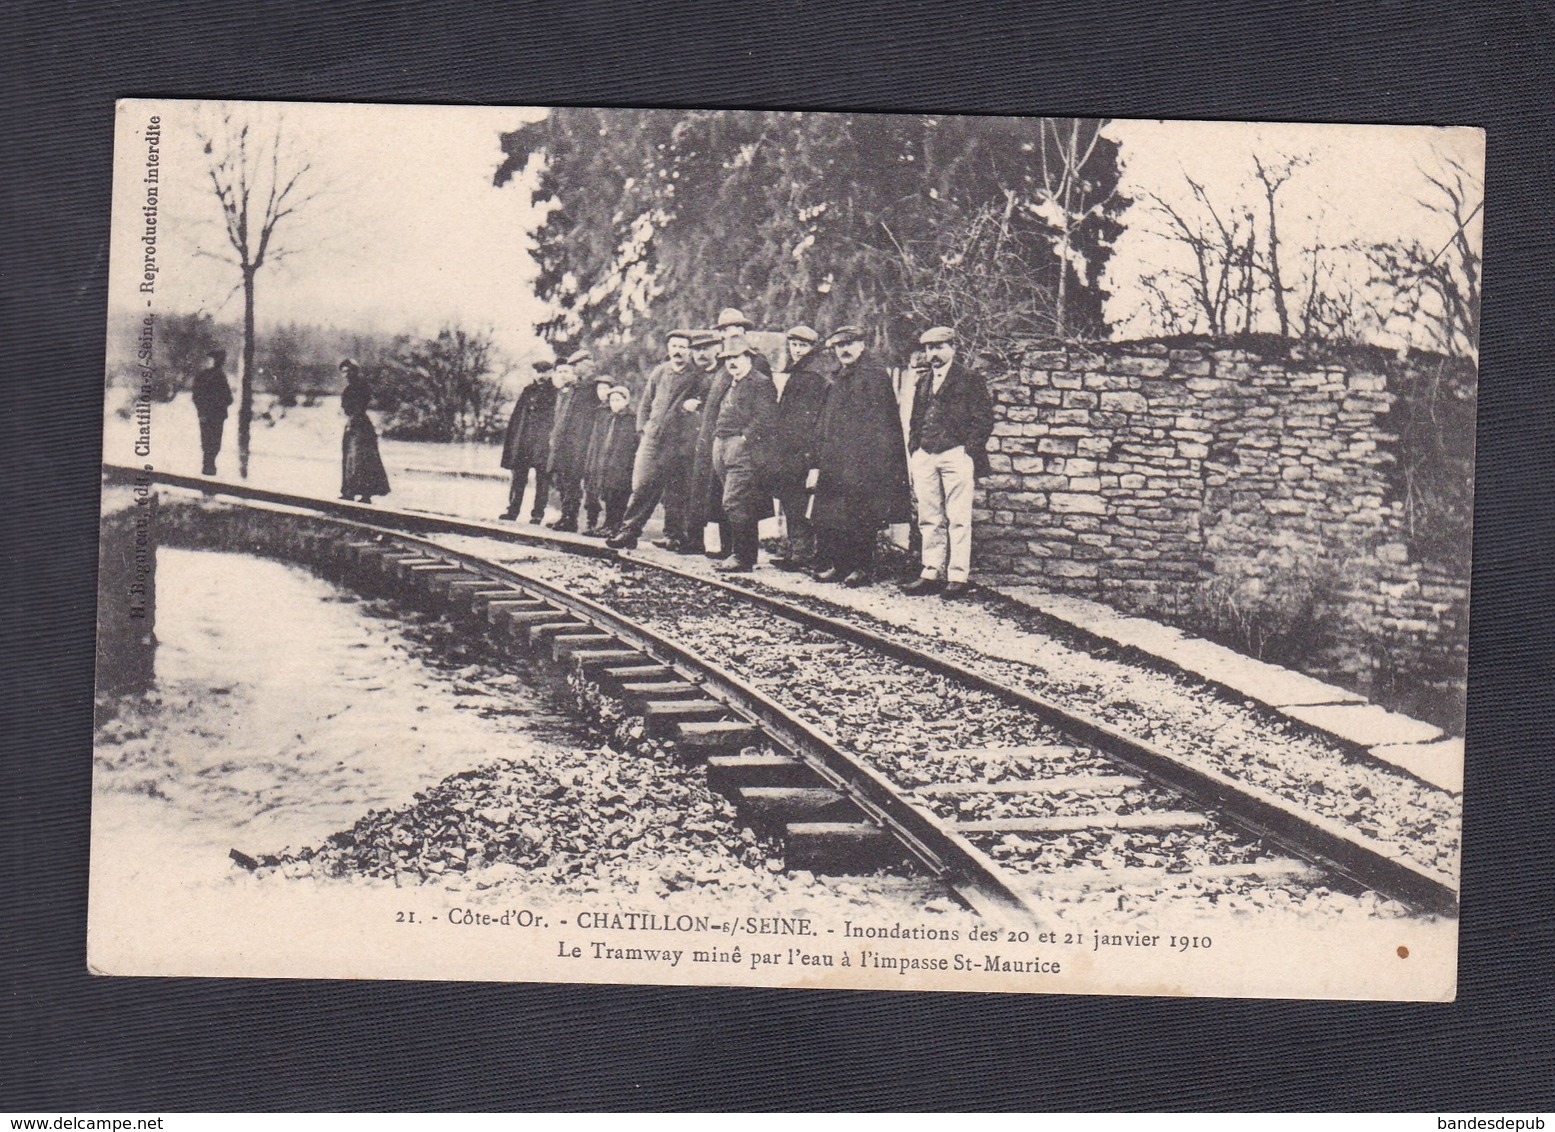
<point>1346,853</point>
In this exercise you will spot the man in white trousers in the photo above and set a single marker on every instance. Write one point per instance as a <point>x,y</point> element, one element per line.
<point>952,418</point>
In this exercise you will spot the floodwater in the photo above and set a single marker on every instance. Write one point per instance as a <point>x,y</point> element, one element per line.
<point>285,709</point>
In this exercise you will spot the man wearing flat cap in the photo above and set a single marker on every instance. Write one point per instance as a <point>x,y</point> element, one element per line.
<point>526,444</point>
<point>741,433</point>
<point>795,440</point>
<point>571,429</point>
<point>668,416</point>
<point>861,480</point>
<point>706,500</point>
<point>951,421</point>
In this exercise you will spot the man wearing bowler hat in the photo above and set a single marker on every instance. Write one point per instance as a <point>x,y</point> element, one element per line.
<point>952,419</point>
<point>740,436</point>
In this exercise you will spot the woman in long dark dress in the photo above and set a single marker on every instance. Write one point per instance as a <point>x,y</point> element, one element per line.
<point>361,474</point>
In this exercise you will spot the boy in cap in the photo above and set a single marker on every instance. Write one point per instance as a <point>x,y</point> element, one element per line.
<point>794,443</point>
<point>861,480</point>
<point>743,428</point>
<point>610,462</point>
<point>951,421</point>
<point>526,444</point>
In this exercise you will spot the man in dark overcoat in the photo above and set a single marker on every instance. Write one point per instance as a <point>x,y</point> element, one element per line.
<point>952,418</point>
<point>795,440</point>
<point>669,414</point>
<point>571,429</point>
<point>527,443</point>
<point>861,480</point>
<point>212,398</point>
<point>593,498</point>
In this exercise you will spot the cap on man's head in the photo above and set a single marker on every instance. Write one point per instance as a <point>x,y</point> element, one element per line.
<point>736,348</point>
<point>843,335</point>
<point>703,338</point>
<point>936,336</point>
<point>731,316</point>
<point>621,389</point>
<point>802,333</point>
<point>349,363</point>
<point>218,353</point>
<point>543,367</point>
<point>579,356</point>
<point>679,332</point>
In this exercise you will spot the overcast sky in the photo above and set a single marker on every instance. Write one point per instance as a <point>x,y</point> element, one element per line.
<point>409,232</point>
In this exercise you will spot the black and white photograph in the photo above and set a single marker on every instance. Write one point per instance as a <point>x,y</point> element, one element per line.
<point>785,549</point>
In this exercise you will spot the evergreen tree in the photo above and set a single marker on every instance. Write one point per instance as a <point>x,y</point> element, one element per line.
<point>997,225</point>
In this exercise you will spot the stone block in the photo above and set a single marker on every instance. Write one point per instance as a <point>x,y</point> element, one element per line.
<point>1192,451</point>
<point>1079,399</point>
<point>1140,366</point>
<point>1068,568</point>
<point>1079,467</point>
<point>1124,403</point>
<point>1084,483</point>
<point>1075,503</point>
<point>1066,381</point>
<point>1056,446</point>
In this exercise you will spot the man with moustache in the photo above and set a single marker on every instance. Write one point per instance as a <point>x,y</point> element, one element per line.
<point>571,429</point>
<point>794,443</point>
<point>861,480</point>
<point>746,414</point>
<point>952,419</point>
<point>526,444</point>
<point>668,417</point>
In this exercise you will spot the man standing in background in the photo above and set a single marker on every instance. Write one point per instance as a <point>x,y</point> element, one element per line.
<point>212,398</point>
<point>952,419</point>
<point>527,443</point>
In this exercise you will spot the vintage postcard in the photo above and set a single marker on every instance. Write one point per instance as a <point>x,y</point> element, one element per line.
<point>785,549</point>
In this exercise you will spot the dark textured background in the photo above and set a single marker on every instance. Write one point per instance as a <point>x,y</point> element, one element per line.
<point>73,1042</point>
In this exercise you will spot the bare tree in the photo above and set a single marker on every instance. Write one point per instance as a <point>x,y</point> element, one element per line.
<point>1217,280</point>
<point>1272,177</point>
<point>1435,292</point>
<point>256,184</point>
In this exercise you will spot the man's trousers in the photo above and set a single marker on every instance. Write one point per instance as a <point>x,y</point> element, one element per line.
<point>943,483</point>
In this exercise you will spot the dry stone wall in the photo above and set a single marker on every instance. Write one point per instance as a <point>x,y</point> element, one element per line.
<point>1245,492</point>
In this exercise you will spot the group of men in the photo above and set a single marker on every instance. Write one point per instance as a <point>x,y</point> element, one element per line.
<point>718,438</point>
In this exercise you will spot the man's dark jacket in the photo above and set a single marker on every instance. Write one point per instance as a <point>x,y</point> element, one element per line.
<point>212,395</point>
<point>862,462</point>
<point>576,409</point>
<point>528,440</point>
<point>964,415</point>
<point>797,437</point>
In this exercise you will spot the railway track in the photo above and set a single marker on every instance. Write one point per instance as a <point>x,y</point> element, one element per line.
<point>792,710</point>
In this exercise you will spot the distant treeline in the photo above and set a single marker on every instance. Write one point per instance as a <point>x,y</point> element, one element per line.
<point>294,360</point>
